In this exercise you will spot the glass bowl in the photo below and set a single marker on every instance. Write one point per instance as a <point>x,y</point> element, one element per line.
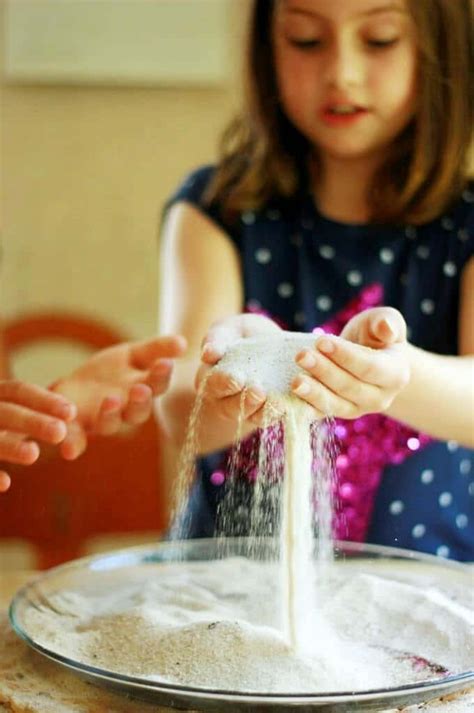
<point>109,572</point>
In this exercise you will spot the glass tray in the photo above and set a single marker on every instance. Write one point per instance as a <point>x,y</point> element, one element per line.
<point>100,573</point>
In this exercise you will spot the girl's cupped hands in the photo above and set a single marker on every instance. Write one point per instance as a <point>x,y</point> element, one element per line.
<point>359,372</point>
<point>222,390</point>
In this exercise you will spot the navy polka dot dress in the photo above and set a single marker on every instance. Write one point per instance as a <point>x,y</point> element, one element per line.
<point>306,271</point>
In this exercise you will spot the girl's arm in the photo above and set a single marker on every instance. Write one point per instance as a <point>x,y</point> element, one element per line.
<point>439,397</point>
<point>201,284</point>
<point>371,368</point>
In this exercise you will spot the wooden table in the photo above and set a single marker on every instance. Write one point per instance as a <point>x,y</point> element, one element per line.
<point>52,689</point>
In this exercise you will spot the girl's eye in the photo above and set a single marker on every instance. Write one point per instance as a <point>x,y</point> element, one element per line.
<point>304,44</point>
<point>382,44</point>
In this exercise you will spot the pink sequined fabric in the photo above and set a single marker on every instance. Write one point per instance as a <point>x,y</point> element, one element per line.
<point>364,446</point>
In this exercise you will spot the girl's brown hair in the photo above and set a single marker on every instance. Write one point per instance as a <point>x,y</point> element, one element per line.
<point>264,157</point>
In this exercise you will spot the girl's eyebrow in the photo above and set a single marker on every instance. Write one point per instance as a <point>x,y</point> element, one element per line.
<point>392,7</point>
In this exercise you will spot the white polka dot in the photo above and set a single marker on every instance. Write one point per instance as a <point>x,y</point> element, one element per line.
<point>327,252</point>
<point>452,446</point>
<point>445,499</point>
<point>396,507</point>
<point>427,477</point>
<point>423,252</point>
<point>354,277</point>
<point>386,256</point>
<point>470,488</point>
<point>413,443</point>
<point>465,466</point>
<point>254,305</point>
<point>285,289</point>
<point>443,551</point>
<point>273,214</point>
<point>300,318</point>
<point>263,256</point>
<point>248,218</point>
<point>307,224</point>
<point>296,240</point>
<point>447,223</point>
<point>324,303</point>
<point>427,306</point>
<point>461,520</point>
<point>410,232</point>
<point>418,531</point>
<point>468,196</point>
<point>450,269</point>
<point>463,235</point>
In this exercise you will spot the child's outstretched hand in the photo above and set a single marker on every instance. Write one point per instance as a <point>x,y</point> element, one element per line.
<point>222,389</point>
<point>359,372</point>
<point>29,412</point>
<point>116,386</point>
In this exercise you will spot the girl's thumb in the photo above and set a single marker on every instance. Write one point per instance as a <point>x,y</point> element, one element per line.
<point>387,330</point>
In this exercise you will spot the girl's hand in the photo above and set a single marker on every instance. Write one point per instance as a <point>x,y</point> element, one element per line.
<point>29,412</point>
<point>222,390</point>
<point>116,386</point>
<point>360,372</point>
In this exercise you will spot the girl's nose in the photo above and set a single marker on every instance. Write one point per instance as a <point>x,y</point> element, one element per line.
<point>345,65</point>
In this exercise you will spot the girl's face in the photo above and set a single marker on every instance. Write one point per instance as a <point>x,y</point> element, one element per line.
<point>346,72</point>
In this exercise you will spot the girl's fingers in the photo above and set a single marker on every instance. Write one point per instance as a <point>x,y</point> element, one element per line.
<point>368,365</point>
<point>37,399</point>
<point>387,325</point>
<point>211,353</point>
<point>244,405</point>
<point>14,449</point>
<point>220,385</point>
<point>324,401</point>
<point>338,380</point>
<point>139,406</point>
<point>37,425</point>
<point>5,481</point>
<point>75,442</point>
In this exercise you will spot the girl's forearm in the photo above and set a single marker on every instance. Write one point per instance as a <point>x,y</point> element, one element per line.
<point>439,398</point>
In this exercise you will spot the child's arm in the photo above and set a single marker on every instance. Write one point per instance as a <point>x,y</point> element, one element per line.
<point>439,398</point>
<point>29,412</point>
<point>200,285</point>
<point>430,392</point>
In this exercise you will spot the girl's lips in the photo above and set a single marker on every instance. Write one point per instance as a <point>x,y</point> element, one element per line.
<point>333,118</point>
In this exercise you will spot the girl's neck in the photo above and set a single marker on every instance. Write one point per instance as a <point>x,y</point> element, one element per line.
<point>340,188</point>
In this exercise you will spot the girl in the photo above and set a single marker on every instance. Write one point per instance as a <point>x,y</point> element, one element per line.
<point>115,386</point>
<point>341,202</point>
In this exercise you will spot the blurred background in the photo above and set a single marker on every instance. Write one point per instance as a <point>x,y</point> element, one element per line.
<point>105,106</point>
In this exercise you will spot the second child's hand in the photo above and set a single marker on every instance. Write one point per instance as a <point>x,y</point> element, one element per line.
<point>117,386</point>
<point>29,414</point>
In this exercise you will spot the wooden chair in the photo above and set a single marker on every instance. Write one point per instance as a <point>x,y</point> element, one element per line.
<point>114,487</point>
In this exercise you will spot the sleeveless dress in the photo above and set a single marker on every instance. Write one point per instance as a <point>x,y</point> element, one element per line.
<point>396,486</point>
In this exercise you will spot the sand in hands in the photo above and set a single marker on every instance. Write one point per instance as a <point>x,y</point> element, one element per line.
<point>300,624</point>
